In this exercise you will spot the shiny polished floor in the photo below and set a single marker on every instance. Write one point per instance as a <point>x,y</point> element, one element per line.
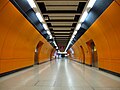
<point>60,74</point>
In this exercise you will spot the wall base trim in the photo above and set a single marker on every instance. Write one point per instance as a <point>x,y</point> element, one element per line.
<point>110,72</point>
<point>77,61</point>
<point>43,62</point>
<point>88,65</point>
<point>83,63</point>
<point>20,69</point>
<point>13,71</point>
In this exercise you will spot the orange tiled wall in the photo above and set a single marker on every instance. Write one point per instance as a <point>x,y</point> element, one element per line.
<point>18,40</point>
<point>105,32</point>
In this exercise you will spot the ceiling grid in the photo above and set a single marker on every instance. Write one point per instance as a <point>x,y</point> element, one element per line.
<point>61,17</point>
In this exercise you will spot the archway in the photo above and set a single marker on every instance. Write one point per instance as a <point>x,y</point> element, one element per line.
<point>37,51</point>
<point>83,55</point>
<point>93,52</point>
<point>52,54</point>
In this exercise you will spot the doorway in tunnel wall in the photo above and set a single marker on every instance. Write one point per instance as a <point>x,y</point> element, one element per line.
<point>52,54</point>
<point>94,55</point>
<point>93,52</point>
<point>37,53</point>
<point>36,57</point>
<point>83,55</point>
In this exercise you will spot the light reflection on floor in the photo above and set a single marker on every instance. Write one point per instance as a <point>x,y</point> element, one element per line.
<point>60,74</point>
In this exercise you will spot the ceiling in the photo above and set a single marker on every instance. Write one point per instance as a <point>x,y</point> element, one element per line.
<point>61,17</point>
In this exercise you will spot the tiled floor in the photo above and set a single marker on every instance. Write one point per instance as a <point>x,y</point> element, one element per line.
<point>61,74</point>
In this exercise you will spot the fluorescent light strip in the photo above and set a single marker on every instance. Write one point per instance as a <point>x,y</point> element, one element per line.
<point>50,36</point>
<point>48,32</point>
<point>45,26</point>
<point>39,17</point>
<point>62,52</point>
<point>78,26</point>
<point>56,47</point>
<point>83,16</point>
<point>91,3</point>
<point>55,43</point>
<point>32,3</point>
<point>73,36</point>
<point>75,32</point>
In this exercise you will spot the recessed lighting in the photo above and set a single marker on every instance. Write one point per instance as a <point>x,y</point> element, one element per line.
<point>39,17</point>
<point>78,26</point>
<point>50,36</point>
<point>55,43</point>
<point>31,3</point>
<point>48,32</point>
<point>91,3</point>
<point>45,26</point>
<point>75,32</point>
<point>84,16</point>
<point>73,36</point>
<point>56,47</point>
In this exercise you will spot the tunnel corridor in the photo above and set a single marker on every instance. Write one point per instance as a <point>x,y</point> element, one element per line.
<point>59,45</point>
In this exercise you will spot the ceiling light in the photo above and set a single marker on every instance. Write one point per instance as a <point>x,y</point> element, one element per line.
<point>39,17</point>
<point>91,3</point>
<point>31,3</point>
<point>45,26</point>
<point>62,52</point>
<point>73,36</point>
<point>48,32</point>
<point>50,36</point>
<point>75,32</point>
<point>55,43</point>
<point>71,39</point>
<point>78,26</point>
<point>84,16</point>
<point>56,47</point>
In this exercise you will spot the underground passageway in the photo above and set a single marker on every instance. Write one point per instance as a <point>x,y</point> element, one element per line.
<point>59,45</point>
<point>60,74</point>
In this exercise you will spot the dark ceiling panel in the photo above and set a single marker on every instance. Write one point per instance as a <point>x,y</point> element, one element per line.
<point>81,7</point>
<point>76,17</point>
<point>42,7</point>
<point>74,24</point>
<point>49,24</point>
